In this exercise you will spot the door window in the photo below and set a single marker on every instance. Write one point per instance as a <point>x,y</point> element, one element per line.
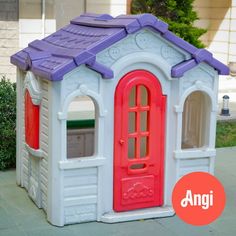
<point>138,122</point>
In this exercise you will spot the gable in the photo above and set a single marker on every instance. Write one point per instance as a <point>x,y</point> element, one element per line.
<point>144,40</point>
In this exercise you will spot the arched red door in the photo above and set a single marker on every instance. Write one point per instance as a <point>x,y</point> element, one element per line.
<point>138,142</point>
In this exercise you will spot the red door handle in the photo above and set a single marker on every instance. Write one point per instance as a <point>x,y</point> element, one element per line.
<point>121,141</point>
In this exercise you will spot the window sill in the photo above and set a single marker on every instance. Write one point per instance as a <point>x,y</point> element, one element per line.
<point>83,162</point>
<point>37,153</point>
<point>194,153</point>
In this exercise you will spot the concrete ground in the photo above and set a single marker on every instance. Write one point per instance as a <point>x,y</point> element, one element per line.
<point>20,217</point>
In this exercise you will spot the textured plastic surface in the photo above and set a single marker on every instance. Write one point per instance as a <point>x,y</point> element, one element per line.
<point>81,189</point>
<point>138,179</point>
<point>80,41</point>
<point>31,122</point>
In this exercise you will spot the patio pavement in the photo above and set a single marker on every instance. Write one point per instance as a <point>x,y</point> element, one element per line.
<point>20,217</point>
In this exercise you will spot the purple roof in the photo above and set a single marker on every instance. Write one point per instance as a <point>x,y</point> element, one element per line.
<point>85,36</point>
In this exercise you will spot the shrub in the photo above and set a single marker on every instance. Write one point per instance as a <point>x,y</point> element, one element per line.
<point>179,14</point>
<point>226,134</point>
<point>7,124</point>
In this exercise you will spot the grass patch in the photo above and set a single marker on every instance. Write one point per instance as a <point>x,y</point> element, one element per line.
<point>226,134</point>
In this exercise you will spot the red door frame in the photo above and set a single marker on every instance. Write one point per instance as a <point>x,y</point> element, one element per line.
<point>139,188</point>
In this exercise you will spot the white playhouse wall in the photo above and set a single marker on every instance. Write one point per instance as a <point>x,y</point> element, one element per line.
<point>81,177</point>
<point>44,141</point>
<point>32,170</point>
<point>80,195</point>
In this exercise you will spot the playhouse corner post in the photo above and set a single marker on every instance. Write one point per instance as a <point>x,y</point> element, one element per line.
<point>55,210</point>
<point>19,125</point>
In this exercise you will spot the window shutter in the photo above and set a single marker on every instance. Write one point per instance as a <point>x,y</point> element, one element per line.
<point>31,122</point>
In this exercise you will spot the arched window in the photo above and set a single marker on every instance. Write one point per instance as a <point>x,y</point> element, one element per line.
<point>196,120</point>
<point>81,127</point>
<point>31,122</point>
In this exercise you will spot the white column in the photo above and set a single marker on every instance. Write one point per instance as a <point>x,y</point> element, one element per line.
<point>232,33</point>
<point>112,7</point>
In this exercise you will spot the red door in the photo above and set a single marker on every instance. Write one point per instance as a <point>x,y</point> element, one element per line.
<point>138,142</point>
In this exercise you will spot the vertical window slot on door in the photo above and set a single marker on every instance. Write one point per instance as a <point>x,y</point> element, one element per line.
<point>131,148</point>
<point>144,95</point>
<point>144,120</point>
<point>143,147</point>
<point>132,119</point>
<point>137,166</point>
<point>132,97</point>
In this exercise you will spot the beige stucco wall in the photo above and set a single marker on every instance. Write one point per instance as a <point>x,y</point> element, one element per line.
<point>31,26</point>
<point>8,36</point>
<point>32,29</point>
<point>67,10</point>
<point>8,46</point>
<point>113,7</point>
<point>219,18</point>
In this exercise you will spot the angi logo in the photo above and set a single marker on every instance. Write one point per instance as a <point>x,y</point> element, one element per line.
<point>198,198</point>
<point>202,200</point>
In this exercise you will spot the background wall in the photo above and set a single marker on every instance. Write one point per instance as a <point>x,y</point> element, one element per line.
<point>219,18</point>
<point>67,10</point>
<point>31,20</point>
<point>113,7</point>
<point>8,36</point>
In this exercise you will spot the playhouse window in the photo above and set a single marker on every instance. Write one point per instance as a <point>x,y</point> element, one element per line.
<point>81,127</point>
<point>196,120</point>
<point>31,122</point>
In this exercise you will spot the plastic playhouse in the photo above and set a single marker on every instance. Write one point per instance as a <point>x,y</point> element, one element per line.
<point>111,113</point>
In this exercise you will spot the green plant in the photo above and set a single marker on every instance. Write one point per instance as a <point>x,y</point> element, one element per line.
<point>179,14</point>
<point>226,134</point>
<point>7,124</point>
